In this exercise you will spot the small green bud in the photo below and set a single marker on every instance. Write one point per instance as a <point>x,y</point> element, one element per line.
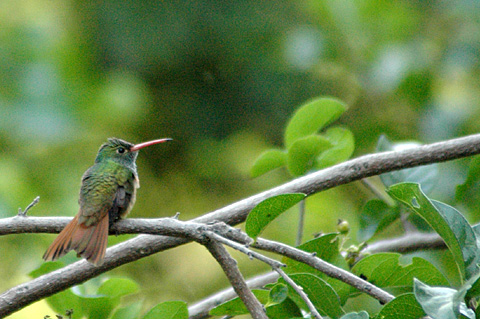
<point>343,227</point>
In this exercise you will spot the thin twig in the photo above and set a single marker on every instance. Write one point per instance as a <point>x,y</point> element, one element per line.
<point>299,291</point>
<point>301,221</point>
<point>33,203</point>
<point>144,245</point>
<point>327,268</point>
<point>306,258</point>
<point>200,309</point>
<point>276,265</point>
<point>331,270</point>
<point>212,241</point>
<point>229,266</point>
<point>406,243</point>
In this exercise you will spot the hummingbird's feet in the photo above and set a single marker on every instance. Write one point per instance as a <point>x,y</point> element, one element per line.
<point>112,222</point>
<point>116,232</point>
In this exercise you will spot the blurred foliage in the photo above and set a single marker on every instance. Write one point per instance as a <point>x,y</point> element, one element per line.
<point>221,78</point>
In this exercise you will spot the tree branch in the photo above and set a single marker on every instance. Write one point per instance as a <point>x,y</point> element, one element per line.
<point>229,266</point>
<point>303,257</point>
<point>406,243</point>
<point>33,203</point>
<point>276,265</point>
<point>300,292</point>
<point>145,245</point>
<point>327,268</point>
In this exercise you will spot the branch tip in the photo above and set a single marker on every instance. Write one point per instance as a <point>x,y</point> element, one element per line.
<point>33,203</point>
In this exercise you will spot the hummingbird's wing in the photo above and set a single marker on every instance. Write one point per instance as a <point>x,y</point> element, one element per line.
<point>121,203</point>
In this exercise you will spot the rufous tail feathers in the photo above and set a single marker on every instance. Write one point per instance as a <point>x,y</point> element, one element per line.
<point>89,242</point>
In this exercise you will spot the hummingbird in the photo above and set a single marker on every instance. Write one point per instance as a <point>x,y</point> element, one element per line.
<point>107,194</point>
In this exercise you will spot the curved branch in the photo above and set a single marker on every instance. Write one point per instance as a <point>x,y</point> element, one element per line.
<point>407,243</point>
<point>299,290</point>
<point>328,269</point>
<point>145,245</point>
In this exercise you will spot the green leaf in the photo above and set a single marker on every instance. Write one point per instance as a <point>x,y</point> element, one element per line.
<point>426,175</point>
<point>468,193</point>
<point>63,300</point>
<point>465,236</point>
<point>46,268</point>
<point>402,307</point>
<point>442,302</point>
<point>118,287</point>
<point>268,210</point>
<point>356,315</point>
<point>385,270</point>
<point>67,300</point>
<point>235,307</point>
<point>94,306</point>
<point>436,301</point>
<point>168,310</point>
<point>303,152</point>
<point>108,297</point>
<point>267,161</point>
<point>474,292</point>
<point>285,310</point>
<point>446,221</point>
<point>343,143</point>
<point>131,311</point>
<point>277,294</point>
<point>325,247</point>
<point>375,217</point>
<point>312,117</point>
<point>320,293</point>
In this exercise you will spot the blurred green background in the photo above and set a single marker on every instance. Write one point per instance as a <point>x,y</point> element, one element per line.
<point>221,78</point>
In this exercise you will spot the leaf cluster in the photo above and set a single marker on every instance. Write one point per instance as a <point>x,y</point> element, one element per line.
<point>305,148</point>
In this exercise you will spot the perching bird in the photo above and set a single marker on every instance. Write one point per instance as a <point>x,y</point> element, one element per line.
<point>107,194</point>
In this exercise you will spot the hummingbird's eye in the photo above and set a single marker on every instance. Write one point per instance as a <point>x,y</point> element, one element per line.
<point>120,150</point>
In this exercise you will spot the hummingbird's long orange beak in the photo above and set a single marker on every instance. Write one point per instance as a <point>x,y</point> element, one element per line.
<point>136,147</point>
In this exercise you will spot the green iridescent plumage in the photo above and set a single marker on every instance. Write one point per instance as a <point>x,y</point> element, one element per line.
<point>107,194</point>
<point>110,183</point>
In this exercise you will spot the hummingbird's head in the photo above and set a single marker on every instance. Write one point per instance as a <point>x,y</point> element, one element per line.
<point>122,151</point>
<point>117,150</point>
